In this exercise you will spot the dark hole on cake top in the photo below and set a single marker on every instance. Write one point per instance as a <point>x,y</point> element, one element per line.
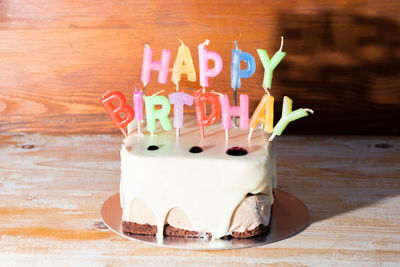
<point>195,149</point>
<point>383,145</point>
<point>236,151</point>
<point>152,147</point>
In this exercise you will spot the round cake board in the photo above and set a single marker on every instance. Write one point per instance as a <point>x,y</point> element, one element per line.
<point>289,216</point>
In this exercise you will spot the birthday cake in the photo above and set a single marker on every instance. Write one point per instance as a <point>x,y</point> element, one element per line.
<point>205,179</point>
<point>190,186</point>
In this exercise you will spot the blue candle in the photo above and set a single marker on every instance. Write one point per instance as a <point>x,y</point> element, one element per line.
<point>236,72</point>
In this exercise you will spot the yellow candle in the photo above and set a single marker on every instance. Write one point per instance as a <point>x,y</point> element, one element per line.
<point>183,65</point>
<point>264,113</point>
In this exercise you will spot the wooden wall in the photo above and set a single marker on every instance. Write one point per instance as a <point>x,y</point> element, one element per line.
<point>58,57</point>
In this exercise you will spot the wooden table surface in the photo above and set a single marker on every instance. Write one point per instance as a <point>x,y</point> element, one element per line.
<point>53,186</point>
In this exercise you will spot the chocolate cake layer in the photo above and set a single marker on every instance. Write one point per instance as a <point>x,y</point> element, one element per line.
<point>147,229</point>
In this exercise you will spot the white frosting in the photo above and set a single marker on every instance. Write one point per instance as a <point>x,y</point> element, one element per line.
<point>251,212</point>
<point>207,186</point>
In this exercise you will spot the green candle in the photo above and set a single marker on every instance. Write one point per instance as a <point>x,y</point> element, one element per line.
<point>270,64</point>
<point>162,114</point>
<point>288,116</point>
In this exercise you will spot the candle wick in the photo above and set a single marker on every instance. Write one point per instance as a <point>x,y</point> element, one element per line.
<point>147,46</point>
<point>206,42</point>
<point>280,49</point>
<point>236,45</point>
<point>177,87</point>
<point>136,87</point>
<point>182,44</point>
<point>309,110</point>
<point>158,92</point>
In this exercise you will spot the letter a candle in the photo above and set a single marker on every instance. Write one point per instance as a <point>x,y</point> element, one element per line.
<point>183,65</point>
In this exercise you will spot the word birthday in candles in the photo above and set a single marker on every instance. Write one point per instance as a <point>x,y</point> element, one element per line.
<point>122,114</point>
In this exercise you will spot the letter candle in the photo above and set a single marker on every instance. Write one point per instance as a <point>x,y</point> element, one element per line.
<point>264,114</point>
<point>237,73</point>
<point>138,106</point>
<point>162,114</point>
<point>270,64</point>
<point>200,100</point>
<point>287,116</point>
<point>160,66</point>
<point>227,112</point>
<point>115,111</point>
<point>204,57</point>
<point>183,65</point>
<point>178,99</point>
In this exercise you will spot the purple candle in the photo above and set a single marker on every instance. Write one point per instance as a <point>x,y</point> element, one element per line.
<point>178,99</point>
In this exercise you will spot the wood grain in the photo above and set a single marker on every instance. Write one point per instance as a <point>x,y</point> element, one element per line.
<point>52,188</point>
<point>58,57</point>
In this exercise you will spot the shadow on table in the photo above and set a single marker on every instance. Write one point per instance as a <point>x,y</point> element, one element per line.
<point>339,175</point>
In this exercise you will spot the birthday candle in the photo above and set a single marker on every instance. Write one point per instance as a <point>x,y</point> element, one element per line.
<point>138,104</point>
<point>288,116</point>
<point>228,111</point>
<point>204,57</point>
<point>160,66</point>
<point>178,99</point>
<point>270,64</point>
<point>183,65</point>
<point>161,114</point>
<point>236,72</point>
<point>202,120</point>
<point>264,114</point>
<point>115,111</point>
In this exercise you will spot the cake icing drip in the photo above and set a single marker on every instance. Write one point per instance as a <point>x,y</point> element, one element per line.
<point>206,186</point>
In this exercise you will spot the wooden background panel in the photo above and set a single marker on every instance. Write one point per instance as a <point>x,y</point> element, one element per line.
<point>58,57</point>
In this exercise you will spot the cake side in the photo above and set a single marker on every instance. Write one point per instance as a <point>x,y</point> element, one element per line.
<point>250,218</point>
<point>208,186</point>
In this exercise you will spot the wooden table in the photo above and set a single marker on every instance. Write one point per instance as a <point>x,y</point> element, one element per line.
<point>53,186</point>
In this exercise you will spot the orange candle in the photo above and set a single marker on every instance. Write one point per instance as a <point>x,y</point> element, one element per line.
<point>264,114</point>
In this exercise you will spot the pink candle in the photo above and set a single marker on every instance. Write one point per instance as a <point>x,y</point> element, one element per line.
<point>204,57</point>
<point>228,111</point>
<point>178,99</point>
<point>138,105</point>
<point>160,66</point>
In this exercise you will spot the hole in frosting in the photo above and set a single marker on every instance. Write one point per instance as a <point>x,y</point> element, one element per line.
<point>236,151</point>
<point>383,145</point>
<point>152,147</point>
<point>195,149</point>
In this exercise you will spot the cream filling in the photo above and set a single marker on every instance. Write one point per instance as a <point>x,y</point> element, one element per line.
<point>207,187</point>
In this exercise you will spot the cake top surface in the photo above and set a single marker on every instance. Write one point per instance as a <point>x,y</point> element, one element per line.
<point>190,144</point>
